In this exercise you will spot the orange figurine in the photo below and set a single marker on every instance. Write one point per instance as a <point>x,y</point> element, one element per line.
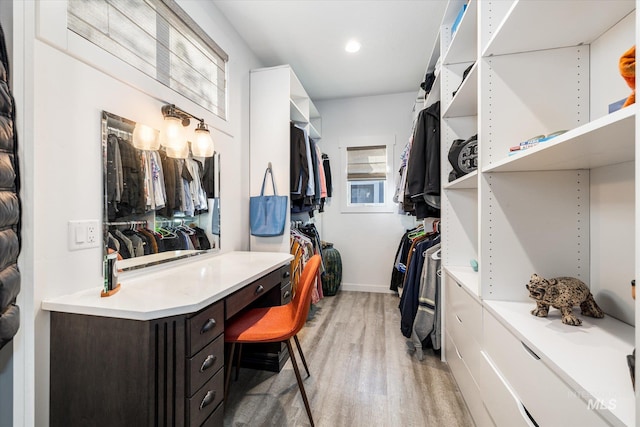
<point>627,67</point>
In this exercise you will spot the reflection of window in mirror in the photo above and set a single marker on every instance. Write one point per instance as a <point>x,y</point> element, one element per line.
<point>157,207</point>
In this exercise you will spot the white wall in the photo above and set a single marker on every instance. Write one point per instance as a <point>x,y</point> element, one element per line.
<point>60,99</point>
<point>367,241</point>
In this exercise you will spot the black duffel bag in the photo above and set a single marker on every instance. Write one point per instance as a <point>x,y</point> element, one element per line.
<point>463,156</point>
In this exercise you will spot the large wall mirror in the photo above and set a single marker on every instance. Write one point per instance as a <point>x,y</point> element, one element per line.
<point>157,208</point>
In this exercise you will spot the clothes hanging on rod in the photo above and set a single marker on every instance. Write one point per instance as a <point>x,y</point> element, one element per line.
<point>402,253</point>
<point>416,274</point>
<point>141,181</point>
<point>326,166</point>
<point>418,188</point>
<point>304,243</point>
<point>309,177</point>
<point>132,239</point>
<point>426,325</point>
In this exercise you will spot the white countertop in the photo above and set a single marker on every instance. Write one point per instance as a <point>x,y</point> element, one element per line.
<point>173,290</point>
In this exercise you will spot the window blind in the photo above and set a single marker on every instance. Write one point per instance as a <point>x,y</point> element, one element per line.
<point>158,38</point>
<point>367,163</point>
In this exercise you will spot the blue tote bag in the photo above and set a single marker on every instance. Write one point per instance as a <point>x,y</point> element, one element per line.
<point>268,214</point>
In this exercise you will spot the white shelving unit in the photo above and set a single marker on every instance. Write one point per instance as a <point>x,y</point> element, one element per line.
<point>277,98</point>
<point>566,207</point>
<point>579,148</point>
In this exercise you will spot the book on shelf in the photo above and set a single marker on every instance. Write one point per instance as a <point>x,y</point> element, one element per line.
<point>532,142</point>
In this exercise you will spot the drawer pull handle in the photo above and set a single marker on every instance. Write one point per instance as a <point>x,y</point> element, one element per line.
<point>259,290</point>
<point>531,352</point>
<point>208,362</point>
<point>208,325</point>
<point>208,399</point>
<point>529,415</point>
<point>459,319</point>
<point>286,274</point>
<point>458,353</point>
<point>286,295</point>
<point>459,285</point>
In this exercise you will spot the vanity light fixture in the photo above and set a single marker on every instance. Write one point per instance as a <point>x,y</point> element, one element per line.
<point>202,146</point>
<point>145,137</point>
<point>173,134</point>
<point>174,138</point>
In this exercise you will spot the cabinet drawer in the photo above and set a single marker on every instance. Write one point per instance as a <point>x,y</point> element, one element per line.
<point>467,385</point>
<point>549,400</point>
<point>462,336</point>
<point>245,296</point>
<point>467,309</point>
<point>203,403</point>
<point>505,408</point>
<point>204,364</point>
<point>203,327</point>
<point>216,419</point>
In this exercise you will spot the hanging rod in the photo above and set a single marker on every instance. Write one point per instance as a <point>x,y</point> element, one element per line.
<point>120,223</point>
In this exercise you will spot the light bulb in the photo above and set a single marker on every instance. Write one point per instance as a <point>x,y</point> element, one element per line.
<point>202,146</point>
<point>352,46</point>
<point>145,137</point>
<point>173,134</point>
<point>178,152</point>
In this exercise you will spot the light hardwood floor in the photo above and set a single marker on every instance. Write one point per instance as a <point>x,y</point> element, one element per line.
<point>362,374</point>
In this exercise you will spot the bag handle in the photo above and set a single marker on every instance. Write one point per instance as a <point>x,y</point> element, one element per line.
<point>264,181</point>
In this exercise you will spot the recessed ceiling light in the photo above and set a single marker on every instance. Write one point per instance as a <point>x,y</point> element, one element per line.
<point>352,46</point>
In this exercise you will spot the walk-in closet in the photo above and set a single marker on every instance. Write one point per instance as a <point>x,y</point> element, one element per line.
<point>221,213</point>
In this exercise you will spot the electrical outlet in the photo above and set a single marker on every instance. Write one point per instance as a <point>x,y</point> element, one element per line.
<point>92,231</point>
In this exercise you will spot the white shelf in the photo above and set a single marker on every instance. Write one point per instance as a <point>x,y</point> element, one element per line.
<point>435,55</point>
<point>434,94</point>
<point>606,141</point>
<point>469,180</point>
<point>313,132</point>
<point>528,26</point>
<point>313,111</point>
<point>465,102</point>
<point>591,358</point>
<point>296,114</point>
<point>463,47</point>
<point>469,279</point>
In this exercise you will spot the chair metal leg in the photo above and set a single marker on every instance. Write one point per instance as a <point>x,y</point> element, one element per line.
<point>228,376</point>
<point>304,362</point>
<point>238,361</point>
<point>299,379</point>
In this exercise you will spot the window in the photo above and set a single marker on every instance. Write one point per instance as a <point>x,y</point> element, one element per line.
<point>366,175</point>
<point>366,180</point>
<point>158,38</point>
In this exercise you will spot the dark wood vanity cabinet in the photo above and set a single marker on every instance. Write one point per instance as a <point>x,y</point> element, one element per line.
<point>119,372</point>
<point>108,371</point>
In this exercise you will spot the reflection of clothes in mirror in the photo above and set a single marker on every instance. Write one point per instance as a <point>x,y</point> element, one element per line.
<point>141,181</point>
<point>208,179</point>
<point>215,216</point>
<point>132,180</point>
<point>134,243</point>
<point>169,168</point>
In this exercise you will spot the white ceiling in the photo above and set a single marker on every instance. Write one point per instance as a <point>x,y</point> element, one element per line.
<point>397,37</point>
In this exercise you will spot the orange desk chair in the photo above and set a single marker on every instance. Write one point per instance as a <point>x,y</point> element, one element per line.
<point>276,324</point>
